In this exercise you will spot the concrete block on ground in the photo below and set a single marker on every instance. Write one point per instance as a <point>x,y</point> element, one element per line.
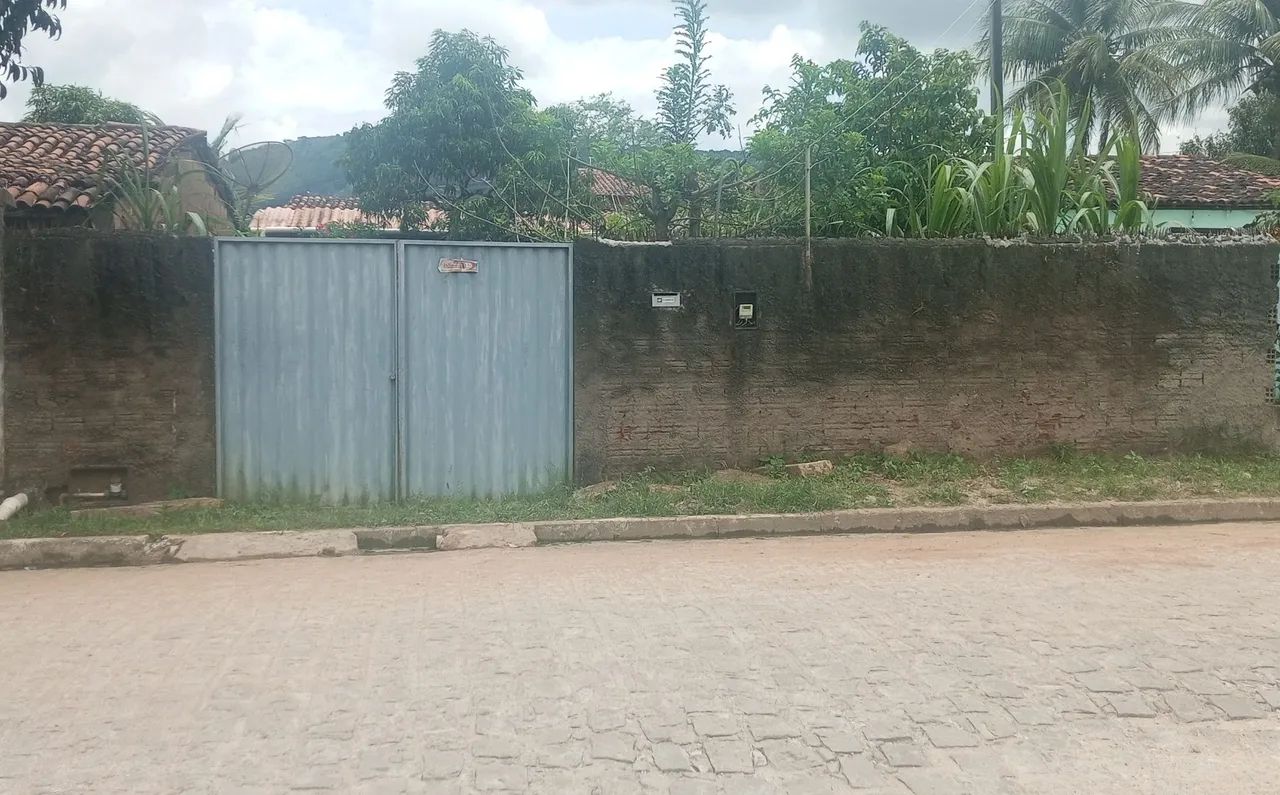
<point>282,544</point>
<point>810,469</point>
<point>145,509</point>
<point>485,536</point>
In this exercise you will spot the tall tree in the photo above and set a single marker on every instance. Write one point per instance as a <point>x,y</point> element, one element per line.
<point>1102,51</point>
<point>50,104</point>
<point>1227,47</point>
<point>17,19</point>
<point>662,156</point>
<point>875,124</point>
<point>1253,130</point>
<point>689,105</point>
<point>463,135</point>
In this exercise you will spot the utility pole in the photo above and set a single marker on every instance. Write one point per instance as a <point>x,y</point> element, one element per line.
<point>997,59</point>
<point>808,217</point>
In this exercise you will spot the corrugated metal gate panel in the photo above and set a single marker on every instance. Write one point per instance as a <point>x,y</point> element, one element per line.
<point>306,348</point>
<point>487,385</point>
<point>356,370</point>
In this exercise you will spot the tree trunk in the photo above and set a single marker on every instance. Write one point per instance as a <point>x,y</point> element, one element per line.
<point>695,204</point>
<point>1274,123</point>
<point>661,215</point>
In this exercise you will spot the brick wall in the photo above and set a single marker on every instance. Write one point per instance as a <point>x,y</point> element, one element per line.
<point>964,346</point>
<point>108,360</point>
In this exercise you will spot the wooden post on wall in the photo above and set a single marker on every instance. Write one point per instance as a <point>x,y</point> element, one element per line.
<point>808,217</point>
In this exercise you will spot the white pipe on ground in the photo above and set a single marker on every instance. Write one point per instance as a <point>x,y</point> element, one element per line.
<point>12,505</point>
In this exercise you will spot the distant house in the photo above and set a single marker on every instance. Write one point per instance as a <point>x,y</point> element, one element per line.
<point>308,214</point>
<point>612,193</point>
<point>60,174</point>
<point>1205,195</point>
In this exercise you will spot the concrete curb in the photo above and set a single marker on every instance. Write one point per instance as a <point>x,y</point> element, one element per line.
<point>144,550</point>
<point>915,520</point>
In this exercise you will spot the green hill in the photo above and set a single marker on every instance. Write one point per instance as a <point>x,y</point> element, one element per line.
<point>314,169</point>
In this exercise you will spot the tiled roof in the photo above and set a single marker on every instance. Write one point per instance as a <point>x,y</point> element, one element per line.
<point>58,166</point>
<point>312,212</point>
<point>1189,181</point>
<point>602,183</point>
<point>334,202</point>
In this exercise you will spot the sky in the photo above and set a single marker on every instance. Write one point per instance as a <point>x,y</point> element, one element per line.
<point>318,67</point>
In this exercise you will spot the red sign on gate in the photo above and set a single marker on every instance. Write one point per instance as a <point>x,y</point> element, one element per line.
<point>448,265</point>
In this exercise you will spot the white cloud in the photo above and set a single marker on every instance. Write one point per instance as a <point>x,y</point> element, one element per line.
<point>292,73</point>
<point>315,67</point>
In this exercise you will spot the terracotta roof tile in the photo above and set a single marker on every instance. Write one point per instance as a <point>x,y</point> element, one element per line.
<point>333,202</point>
<point>312,212</point>
<point>601,183</point>
<point>60,165</point>
<point>1189,181</point>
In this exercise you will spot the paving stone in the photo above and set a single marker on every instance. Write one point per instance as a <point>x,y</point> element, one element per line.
<point>658,731</point>
<point>882,730</point>
<point>773,729</point>
<point>729,756</point>
<point>495,748</point>
<point>1076,665</point>
<point>842,742</point>
<point>969,702</point>
<point>614,745</point>
<point>994,725</point>
<point>1237,707</point>
<point>752,706</point>
<point>1001,688</point>
<point>946,736</point>
<point>1203,684</point>
<point>1149,680</point>
<point>791,755</point>
<point>555,735</point>
<point>903,755</point>
<point>928,782</point>
<point>489,777</point>
<point>1100,682</point>
<point>860,772</point>
<point>1175,665</point>
<point>671,758</point>
<point>921,714</point>
<point>1189,708</point>
<point>1030,715</point>
<point>977,666</point>
<point>1131,705</point>
<point>324,673</point>
<point>695,786</point>
<point>715,725</point>
<point>807,783</point>
<point>442,765</point>
<point>606,720</point>
<point>564,755</point>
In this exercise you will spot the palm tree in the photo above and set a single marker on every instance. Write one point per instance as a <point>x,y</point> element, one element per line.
<point>1100,50</point>
<point>1226,47</point>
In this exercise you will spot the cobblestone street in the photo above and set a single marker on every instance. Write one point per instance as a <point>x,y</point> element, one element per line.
<point>1095,661</point>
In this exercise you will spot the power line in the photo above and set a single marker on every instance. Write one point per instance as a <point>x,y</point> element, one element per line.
<point>920,56</point>
<point>806,149</point>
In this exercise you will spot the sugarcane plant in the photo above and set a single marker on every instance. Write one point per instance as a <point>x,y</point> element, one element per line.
<point>1040,180</point>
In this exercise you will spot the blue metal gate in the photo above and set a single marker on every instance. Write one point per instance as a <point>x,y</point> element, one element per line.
<point>368,370</point>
